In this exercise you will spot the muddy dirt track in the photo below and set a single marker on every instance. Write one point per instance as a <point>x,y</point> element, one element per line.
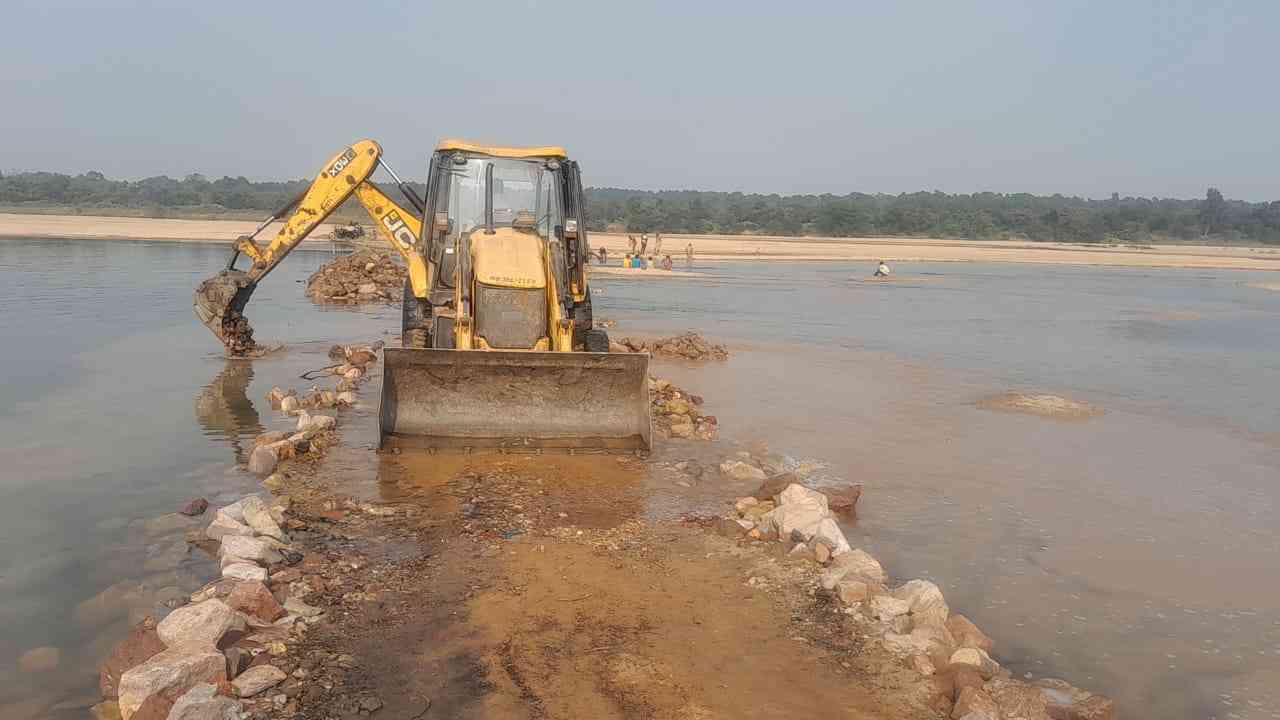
<point>540,588</point>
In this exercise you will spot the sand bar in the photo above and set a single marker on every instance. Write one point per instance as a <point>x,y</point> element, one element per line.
<point>711,247</point>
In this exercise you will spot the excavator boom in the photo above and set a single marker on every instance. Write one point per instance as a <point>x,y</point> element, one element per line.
<point>220,301</point>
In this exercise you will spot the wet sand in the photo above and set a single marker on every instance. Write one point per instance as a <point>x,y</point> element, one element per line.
<point>711,247</point>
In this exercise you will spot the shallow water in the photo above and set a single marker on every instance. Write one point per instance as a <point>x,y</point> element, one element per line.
<point>1133,553</point>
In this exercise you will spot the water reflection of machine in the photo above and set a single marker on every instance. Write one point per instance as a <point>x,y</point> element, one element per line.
<point>224,409</point>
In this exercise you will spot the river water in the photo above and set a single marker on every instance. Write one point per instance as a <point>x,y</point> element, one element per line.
<point>1136,553</point>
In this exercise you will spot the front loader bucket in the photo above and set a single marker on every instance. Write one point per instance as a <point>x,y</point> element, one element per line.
<point>517,400</point>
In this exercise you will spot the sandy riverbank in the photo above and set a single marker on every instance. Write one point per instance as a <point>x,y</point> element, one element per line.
<point>711,247</point>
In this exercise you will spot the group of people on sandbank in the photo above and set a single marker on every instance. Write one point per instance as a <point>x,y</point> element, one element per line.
<point>638,256</point>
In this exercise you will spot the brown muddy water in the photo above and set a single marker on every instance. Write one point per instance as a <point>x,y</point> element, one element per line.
<point>1133,552</point>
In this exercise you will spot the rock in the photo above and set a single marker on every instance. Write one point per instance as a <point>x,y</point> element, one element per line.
<point>975,703</point>
<point>258,517</point>
<point>195,507</point>
<point>274,481</point>
<point>353,374</point>
<point>317,423</point>
<point>38,660</point>
<point>852,591</point>
<point>113,602</point>
<point>142,643</point>
<point>741,504</point>
<point>286,576</point>
<point>774,485</point>
<point>216,589</point>
<point>1065,701</point>
<point>254,599</point>
<point>821,553</point>
<point>204,623</point>
<point>844,499</point>
<point>1017,699</point>
<point>887,607</point>
<point>738,470</point>
<point>731,527</point>
<point>928,607</point>
<point>245,571</point>
<point>289,405</point>
<point>250,548</point>
<point>676,406</point>
<point>829,534</point>
<point>224,525</point>
<point>367,289</point>
<point>370,703</point>
<point>977,659</point>
<point>167,676</point>
<point>682,429</point>
<point>797,494</point>
<point>796,520</point>
<point>270,438</point>
<point>346,397</point>
<point>296,606</point>
<point>923,665</point>
<point>962,676</point>
<point>256,679</point>
<point>275,395</point>
<point>855,563</point>
<point>263,460</point>
<point>967,634</point>
<point>203,702</point>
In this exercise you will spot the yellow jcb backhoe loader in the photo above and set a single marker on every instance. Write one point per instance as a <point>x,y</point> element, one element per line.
<point>498,344</point>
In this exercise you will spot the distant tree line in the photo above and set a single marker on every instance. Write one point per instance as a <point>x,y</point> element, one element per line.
<point>932,214</point>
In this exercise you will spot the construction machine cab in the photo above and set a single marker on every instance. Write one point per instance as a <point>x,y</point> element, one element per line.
<point>506,250</point>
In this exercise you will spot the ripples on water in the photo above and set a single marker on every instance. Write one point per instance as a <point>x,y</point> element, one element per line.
<point>1132,553</point>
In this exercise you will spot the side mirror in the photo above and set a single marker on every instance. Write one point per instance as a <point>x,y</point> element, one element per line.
<point>571,228</point>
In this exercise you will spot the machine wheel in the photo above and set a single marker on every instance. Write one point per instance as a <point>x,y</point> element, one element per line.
<point>582,323</point>
<point>595,340</point>
<point>413,320</point>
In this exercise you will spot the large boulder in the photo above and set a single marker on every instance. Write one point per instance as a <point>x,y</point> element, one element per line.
<point>853,564</point>
<point>204,623</point>
<point>258,517</point>
<point>829,534</point>
<point>928,607</point>
<point>797,494</point>
<point>245,571</point>
<point>256,679</point>
<point>167,676</point>
<point>250,548</point>
<point>794,522</point>
<point>142,644</point>
<point>977,659</point>
<point>254,599</point>
<point>263,460</point>
<point>224,525</point>
<point>1017,699</point>
<point>967,634</point>
<point>203,702</point>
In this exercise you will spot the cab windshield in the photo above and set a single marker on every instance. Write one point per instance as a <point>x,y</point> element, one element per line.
<point>525,195</point>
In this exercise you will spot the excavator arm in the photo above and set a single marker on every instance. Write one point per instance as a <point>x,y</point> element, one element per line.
<point>220,300</point>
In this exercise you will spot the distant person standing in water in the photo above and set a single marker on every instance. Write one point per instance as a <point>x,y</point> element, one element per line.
<point>644,243</point>
<point>688,254</point>
<point>882,270</point>
<point>666,262</point>
<point>603,254</point>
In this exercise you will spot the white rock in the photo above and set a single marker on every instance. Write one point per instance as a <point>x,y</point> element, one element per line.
<point>263,460</point>
<point>256,679</point>
<point>738,470</point>
<point>245,571</point>
<point>829,533</point>
<point>796,520</point>
<point>928,607</point>
<point>977,659</point>
<point>316,422</point>
<point>171,674</point>
<point>225,560</point>
<point>367,288</point>
<point>258,550</point>
<point>854,591</point>
<point>346,397</point>
<point>223,526</point>
<point>235,510</point>
<point>743,503</point>
<point>295,606</point>
<point>202,623</point>
<point>905,644</point>
<point>855,563</point>
<point>289,405</point>
<point>258,517</point>
<point>203,702</point>
<point>797,493</point>
<point>887,607</point>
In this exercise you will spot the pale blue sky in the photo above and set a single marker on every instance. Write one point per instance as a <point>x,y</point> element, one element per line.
<point>1080,97</point>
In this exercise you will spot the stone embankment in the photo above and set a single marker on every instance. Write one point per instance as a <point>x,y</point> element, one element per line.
<point>908,619</point>
<point>687,346</point>
<point>365,276</point>
<point>221,653</point>
<point>677,413</point>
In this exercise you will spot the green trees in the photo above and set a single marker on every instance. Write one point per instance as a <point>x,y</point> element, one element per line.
<point>984,215</point>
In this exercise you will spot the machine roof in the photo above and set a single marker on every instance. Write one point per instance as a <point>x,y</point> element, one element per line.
<point>549,151</point>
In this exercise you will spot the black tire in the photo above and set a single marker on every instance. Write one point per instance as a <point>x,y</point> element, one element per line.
<point>413,320</point>
<point>595,340</point>
<point>582,323</point>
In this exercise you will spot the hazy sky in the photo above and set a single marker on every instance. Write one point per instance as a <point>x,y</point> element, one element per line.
<point>1088,98</point>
